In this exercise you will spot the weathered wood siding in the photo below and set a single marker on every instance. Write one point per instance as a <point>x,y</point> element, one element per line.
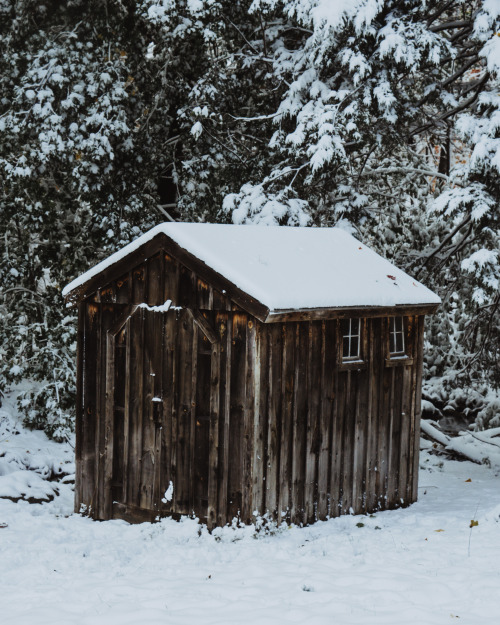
<point>335,438</point>
<point>240,416</point>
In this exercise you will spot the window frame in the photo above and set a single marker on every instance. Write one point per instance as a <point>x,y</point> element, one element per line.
<point>404,357</point>
<point>394,332</point>
<point>357,361</point>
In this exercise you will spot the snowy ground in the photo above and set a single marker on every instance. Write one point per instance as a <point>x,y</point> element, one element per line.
<point>423,565</point>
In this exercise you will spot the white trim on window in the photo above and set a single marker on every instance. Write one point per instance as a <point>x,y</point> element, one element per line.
<point>350,330</point>
<point>397,337</point>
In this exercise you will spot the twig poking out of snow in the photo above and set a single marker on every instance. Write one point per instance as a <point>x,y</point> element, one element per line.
<point>168,493</point>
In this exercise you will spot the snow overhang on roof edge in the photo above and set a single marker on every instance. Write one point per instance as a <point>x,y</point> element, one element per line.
<point>284,269</point>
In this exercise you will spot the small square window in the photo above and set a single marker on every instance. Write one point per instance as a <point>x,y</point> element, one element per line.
<point>397,336</point>
<point>351,335</point>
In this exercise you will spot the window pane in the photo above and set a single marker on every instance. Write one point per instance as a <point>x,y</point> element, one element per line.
<point>399,342</point>
<point>354,346</point>
<point>398,323</point>
<point>345,326</point>
<point>345,347</point>
<point>392,338</point>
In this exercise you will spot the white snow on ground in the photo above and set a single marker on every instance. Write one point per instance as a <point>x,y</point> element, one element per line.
<point>288,268</point>
<point>423,565</point>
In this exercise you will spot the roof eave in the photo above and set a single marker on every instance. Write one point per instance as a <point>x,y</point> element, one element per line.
<point>318,314</point>
<point>162,242</point>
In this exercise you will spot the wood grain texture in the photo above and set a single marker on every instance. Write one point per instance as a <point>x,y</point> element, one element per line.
<point>300,416</point>
<point>260,425</point>
<point>415,439</point>
<point>249,417</point>
<point>248,421</point>
<point>313,437</point>
<point>225,326</point>
<point>274,412</point>
<point>80,406</point>
<point>237,443</point>
<point>289,333</point>
<point>213,441</point>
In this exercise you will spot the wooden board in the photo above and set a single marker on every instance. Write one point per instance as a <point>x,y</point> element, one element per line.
<point>213,441</point>
<point>274,412</point>
<point>250,417</point>
<point>225,327</point>
<point>326,403</point>
<point>300,419</point>
<point>289,332</point>
<point>237,444</point>
<point>260,420</point>
<point>313,438</point>
<point>185,350</point>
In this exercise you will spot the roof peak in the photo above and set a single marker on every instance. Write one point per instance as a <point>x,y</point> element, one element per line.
<point>285,267</point>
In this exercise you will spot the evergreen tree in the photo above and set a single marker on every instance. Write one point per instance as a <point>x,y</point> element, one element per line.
<point>118,114</point>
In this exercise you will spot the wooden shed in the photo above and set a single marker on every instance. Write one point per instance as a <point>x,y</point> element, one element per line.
<point>234,371</point>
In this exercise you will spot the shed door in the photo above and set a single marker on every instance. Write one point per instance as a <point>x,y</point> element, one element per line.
<point>160,421</point>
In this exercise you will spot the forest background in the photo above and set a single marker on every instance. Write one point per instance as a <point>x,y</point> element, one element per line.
<point>381,116</point>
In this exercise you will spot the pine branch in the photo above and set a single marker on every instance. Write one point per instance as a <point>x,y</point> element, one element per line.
<point>450,25</point>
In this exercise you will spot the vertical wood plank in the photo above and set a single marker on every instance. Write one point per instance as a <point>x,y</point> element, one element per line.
<point>201,427</point>
<point>107,295</point>
<point>219,300</point>
<point>413,340</point>
<point>158,404</point>
<point>80,405</point>
<point>192,419</point>
<point>300,417</point>
<point>169,421</point>
<point>108,426</point>
<point>418,407</point>
<point>126,413</point>
<point>396,409</point>
<point>107,318</point>
<point>139,284</point>
<point>248,420</point>
<point>349,380</point>
<point>237,445</point>
<point>147,458</point>
<point>187,288</point>
<point>404,437</point>
<point>170,279</point>
<point>361,419</point>
<point>136,406</point>
<point>182,476</point>
<point>98,412</point>
<point>213,459</point>
<point>91,364</point>
<point>175,400</point>
<point>274,370</point>
<point>325,427</point>
<point>259,436</point>
<point>122,289</point>
<point>384,420</point>
<point>154,276</point>
<point>313,432</point>
<point>287,391</point>
<point>203,295</point>
<point>224,323</point>
<point>337,418</point>
<point>372,433</point>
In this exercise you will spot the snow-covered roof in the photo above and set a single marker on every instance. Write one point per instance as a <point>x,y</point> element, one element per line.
<point>288,268</point>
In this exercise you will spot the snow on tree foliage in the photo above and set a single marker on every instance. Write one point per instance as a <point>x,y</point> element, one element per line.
<point>382,115</point>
